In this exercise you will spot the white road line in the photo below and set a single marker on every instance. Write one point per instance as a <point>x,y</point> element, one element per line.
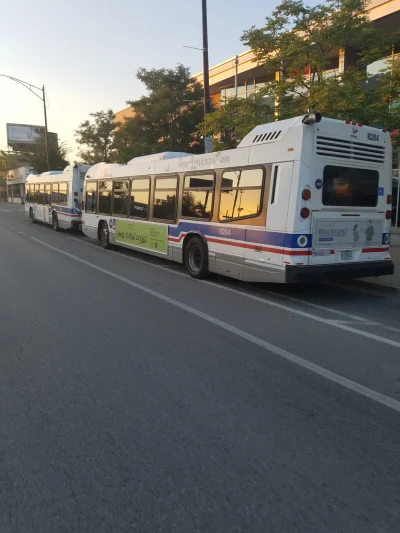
<point>372,291</point>
<point>336,378</point>
<point>327,321</point>
<point>333,323</point>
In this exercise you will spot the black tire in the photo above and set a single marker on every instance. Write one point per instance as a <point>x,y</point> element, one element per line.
<point>196,258</point>
<point>56,226</point>
<point>31,215</point>
<point>104,236</point>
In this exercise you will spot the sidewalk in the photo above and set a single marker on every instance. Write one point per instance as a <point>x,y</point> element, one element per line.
<point>391,281</point>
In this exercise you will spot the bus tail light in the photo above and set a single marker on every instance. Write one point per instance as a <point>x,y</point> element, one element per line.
<point>76,200</point>
<point>389,198</point>
<point>305,212</point>
<point>388,214</point>
<point>75,193</point>
<point>306,194</point>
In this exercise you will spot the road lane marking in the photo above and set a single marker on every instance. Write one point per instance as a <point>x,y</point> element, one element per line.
<point>323,372</point>
<point>327,321</point>
<point>330,322</point>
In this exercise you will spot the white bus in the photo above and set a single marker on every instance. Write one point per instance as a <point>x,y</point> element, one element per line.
<point>55,197</point>
<point>304,199</point>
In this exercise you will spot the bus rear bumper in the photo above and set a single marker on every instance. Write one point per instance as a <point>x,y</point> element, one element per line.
<point>312,273</point>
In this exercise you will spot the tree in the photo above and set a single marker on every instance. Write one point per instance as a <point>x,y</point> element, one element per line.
<point>299,43</point>
<point>96,138</point>
<point>57,158</point>
<point>164,120</point>
<point>235,118</point>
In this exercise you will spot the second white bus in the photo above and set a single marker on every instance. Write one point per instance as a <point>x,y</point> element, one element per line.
<point>55,197</point>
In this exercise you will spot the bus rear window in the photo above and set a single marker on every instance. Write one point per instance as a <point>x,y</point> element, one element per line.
<point>350,187</point>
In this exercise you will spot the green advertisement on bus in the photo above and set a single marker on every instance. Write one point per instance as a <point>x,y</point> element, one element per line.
<point>149,236</point>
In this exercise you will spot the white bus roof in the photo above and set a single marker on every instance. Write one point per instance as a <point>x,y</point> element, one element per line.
<point>54,175</point>
<point>157,157</point>
<point>252,150</point>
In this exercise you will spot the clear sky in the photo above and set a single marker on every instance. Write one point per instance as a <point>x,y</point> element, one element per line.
<point>87,52</point>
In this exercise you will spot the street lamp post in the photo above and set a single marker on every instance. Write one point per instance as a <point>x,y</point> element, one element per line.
<point>205,59</point>
<point>32,88</point>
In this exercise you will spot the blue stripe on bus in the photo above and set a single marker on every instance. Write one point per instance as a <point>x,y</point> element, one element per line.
<point>257,236</point>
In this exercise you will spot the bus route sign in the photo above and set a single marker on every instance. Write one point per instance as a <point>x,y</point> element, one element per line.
<point>149,236</point>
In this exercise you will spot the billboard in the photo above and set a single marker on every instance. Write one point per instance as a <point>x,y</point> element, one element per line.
<point>28,138</point>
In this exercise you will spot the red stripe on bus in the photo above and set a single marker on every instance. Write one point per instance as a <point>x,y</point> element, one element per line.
<point>367,250</point>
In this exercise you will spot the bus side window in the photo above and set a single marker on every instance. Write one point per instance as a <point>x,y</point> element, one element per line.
<point>28,194</point>
<point>121,197</point>
<point>91,197</point>
<point>139,198</point>
<point>241,193</point>
<point>36,193</point>
<point>41,194</point>
<point>54,194</point>
<point>47,194</point>
<point>63,198</point>
<point>274,184</point>
<point>164,199</point>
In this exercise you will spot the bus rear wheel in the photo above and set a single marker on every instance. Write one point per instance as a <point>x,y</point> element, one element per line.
<point>31,215</point>
<point>56,226</point>
<point>196,258</point>
<point>104,235</point>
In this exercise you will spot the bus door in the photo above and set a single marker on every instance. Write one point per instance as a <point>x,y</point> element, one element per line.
<point>47,208</point>
<point>266,246</point>
<point>347,225</point>
<point>40,208</point>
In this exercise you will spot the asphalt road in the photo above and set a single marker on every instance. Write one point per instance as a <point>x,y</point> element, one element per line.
<point>134,398</point>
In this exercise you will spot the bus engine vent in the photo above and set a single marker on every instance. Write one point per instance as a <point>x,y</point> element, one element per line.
<point>82,174</point>
<point>344,149</point>
<point>267,137</point>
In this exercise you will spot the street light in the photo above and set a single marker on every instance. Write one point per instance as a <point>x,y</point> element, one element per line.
<point>206,74</point>
<point>32,89</point>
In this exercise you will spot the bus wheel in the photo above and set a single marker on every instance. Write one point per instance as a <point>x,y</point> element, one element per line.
<point>56,226</point>
<point>31,215</point>
<point>196,258</point>
<point>105,236</point>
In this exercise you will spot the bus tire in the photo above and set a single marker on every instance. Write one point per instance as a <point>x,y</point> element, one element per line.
<point>104,236</point>
<point>56,226</point>
<point>196,258</point>
<point>31,215</point>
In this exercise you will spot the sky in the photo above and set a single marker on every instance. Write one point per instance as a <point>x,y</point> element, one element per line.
<point>87,52</point>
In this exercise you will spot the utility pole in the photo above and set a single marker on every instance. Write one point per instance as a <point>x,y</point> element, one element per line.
<point>206,75</point>
<point>33,88</point>
<point>236,75</point>
<point>45,127</point>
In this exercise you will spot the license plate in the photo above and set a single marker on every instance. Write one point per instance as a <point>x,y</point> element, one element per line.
<point>346,256</point>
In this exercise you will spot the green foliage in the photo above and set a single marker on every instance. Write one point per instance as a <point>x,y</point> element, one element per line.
<point>166,119</point>
<point>236,115</point>
<point>299,42</point>
<point>96,138</point>
<point>58,158</point>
